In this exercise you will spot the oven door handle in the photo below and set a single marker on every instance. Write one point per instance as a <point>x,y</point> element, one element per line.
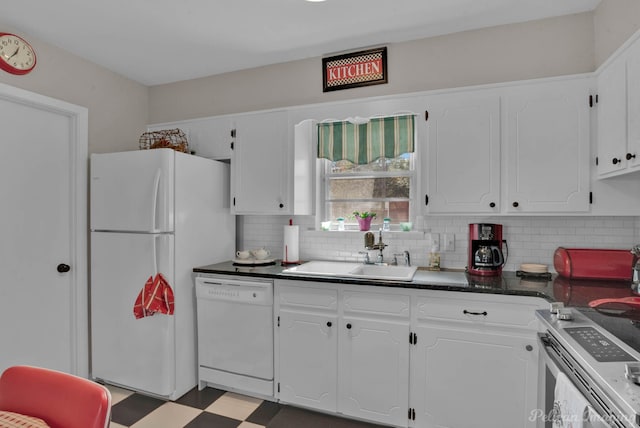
<point>549,361</point>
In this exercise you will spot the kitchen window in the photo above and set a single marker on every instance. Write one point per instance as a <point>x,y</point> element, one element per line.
<point>368,167</point>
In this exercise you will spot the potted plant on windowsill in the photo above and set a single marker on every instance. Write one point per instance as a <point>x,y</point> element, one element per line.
<point>364,219</point>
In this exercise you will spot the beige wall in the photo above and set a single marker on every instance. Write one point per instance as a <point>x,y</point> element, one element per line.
<point>118,107</point>
<point>549,47</point>
<point>614,22</point>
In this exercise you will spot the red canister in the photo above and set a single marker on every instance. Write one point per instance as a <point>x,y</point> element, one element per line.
<point>593,263</point>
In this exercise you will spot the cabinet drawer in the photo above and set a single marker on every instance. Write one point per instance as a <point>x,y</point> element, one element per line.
<point>376,303</point>
<point>308,297</point>
<point>510,312</point>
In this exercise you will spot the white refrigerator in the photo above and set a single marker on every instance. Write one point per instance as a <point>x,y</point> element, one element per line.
<point>152,211</point>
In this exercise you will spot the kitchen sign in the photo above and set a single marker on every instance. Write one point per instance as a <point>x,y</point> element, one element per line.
<point>355,69</point>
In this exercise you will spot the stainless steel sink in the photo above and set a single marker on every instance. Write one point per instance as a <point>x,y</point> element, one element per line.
<point>353,270</point>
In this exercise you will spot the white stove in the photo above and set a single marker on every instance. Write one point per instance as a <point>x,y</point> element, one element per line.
<point>597,363</point>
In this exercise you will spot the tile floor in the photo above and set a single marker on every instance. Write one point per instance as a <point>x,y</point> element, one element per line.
<point>214,408</point>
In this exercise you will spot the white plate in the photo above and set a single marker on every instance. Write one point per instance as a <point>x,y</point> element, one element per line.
<point>533,268</point>
<point>254,262</point>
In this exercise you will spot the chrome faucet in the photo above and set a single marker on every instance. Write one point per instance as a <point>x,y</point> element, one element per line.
<point>407,258</point>
<point>367,260</point>
<point>635,281</point>
<point>380,246</point>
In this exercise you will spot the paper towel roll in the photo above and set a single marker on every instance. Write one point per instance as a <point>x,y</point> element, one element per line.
<point>290,250</point>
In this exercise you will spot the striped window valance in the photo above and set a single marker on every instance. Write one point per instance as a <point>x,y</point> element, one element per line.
<point>361,144</point>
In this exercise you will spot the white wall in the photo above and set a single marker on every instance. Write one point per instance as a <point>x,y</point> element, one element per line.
<point>530,239</point>
<point>118,107</point>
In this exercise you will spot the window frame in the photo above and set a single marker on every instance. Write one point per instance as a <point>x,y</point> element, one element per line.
<point>351,224</point>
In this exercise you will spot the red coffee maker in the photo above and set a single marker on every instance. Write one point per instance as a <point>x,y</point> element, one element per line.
<point>485,249</point>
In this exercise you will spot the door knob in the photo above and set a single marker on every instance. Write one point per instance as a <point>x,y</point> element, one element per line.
<point>62,268</point>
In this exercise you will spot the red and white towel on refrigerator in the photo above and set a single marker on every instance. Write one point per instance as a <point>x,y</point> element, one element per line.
<point>155,297</point>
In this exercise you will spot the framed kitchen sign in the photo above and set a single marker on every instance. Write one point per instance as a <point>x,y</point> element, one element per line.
<point>355,69</point>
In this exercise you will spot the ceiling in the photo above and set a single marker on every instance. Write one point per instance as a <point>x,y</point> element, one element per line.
<point>162,41</point>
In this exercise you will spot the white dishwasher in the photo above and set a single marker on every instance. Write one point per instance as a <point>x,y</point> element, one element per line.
<point>235,334</point>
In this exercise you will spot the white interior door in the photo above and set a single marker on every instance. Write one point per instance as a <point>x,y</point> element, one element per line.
<point>43,318</point>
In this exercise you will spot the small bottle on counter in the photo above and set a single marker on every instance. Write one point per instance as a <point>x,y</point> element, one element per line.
<point>340,223</point>
<point>386,224</point>
<point>434,257</point>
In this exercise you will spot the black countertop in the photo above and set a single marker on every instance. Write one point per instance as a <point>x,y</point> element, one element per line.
<point>507,283</point>
<point>618,320</point>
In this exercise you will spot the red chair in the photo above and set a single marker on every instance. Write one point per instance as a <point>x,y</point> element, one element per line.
<point>59,399</point>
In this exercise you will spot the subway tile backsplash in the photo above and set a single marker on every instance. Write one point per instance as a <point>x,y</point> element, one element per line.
<point>529,239</point>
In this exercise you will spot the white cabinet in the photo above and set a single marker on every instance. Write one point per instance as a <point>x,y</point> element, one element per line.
<point>467,378</point>
<point>520,148</point>
<point>633,93</point>
<point>475,361</point>
<point>307,345</point>
<point>308,349</point>
<point>463,157</point>
<point>350,357</point>
<point>208,137</point>
<point>618,114</point>
<point>260,164</point>
<point>547,147</point>
<point>373,357</point>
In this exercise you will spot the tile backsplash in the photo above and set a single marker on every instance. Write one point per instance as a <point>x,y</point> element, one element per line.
<point>529,239</point>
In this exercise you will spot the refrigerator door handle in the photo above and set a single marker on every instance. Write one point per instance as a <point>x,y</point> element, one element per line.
<point>155,254</point>
<point>154,201</point>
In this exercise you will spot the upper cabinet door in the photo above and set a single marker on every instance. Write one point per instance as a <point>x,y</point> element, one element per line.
<point>463,154</point>
<point>612,118</point>
<point>208,137</point>
<point>633,98</point>
<point>260,164</point>
<point>546,144</point>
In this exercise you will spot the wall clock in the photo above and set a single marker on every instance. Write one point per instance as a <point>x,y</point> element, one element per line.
<point>16,55</point>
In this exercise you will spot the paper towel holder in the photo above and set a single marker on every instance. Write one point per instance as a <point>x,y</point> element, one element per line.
<point>289,253</point>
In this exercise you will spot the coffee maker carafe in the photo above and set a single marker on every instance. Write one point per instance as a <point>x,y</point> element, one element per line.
<point>485,249</point>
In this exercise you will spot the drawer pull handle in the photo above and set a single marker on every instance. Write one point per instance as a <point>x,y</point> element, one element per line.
<point>483,313</point>
<point>529,348</point>
<point>349,326</point>
<point>329,324</point>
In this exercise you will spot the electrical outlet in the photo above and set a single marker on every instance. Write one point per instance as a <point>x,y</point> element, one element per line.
<point>434,240</point>
<point>449,241</point>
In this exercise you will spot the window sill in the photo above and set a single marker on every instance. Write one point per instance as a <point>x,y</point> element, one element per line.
<point>413,234</point>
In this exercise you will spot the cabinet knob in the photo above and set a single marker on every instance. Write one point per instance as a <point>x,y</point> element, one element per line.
<point>349,326</point>
<point>329,324</point>
<point>492,204</point>
<point>515,205</point>
<point>616,161</point>
<point>529,348</point>
<point>281,205</point>
<point>631,156</point>
<point>63,268</point>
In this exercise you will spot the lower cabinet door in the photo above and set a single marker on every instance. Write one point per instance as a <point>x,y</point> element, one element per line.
<point>308,359</point>
<point>373,370</point>
<point>468,378</point>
